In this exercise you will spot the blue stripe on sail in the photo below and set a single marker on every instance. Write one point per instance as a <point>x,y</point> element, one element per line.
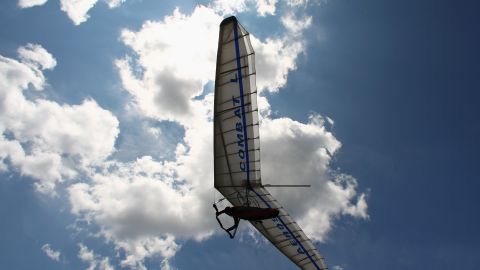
<point>240,81</point>
<point>239,72</point>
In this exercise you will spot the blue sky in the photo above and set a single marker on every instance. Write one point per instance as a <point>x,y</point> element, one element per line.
<point>97,174</point>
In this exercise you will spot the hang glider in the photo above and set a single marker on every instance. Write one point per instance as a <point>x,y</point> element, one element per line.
<point>237,151</point>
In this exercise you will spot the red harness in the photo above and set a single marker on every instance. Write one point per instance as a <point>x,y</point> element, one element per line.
<point>251,213</point>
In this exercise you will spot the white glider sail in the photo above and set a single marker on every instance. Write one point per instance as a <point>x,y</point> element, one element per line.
<point>237,145</point>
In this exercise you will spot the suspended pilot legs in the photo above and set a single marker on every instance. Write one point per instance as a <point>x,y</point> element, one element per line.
<point>236,220</point>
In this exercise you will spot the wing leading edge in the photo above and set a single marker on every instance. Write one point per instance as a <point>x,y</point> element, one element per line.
<point>237,145</point>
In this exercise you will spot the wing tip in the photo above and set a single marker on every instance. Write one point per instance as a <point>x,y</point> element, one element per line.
<point>228,20</point>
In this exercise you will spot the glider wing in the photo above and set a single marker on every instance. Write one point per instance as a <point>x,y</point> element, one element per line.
<point>237,145</point>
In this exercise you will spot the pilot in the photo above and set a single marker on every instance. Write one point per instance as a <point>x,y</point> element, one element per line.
<point>244,212</point>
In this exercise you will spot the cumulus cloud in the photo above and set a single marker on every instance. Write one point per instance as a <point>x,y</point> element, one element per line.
<point>275,58</point>
<point>295,3</point>
<point>52,254</point>
<point>36,56</point>
<point>226,7</point>
<point>173,71</point>
<point>295,25</point>
<point>265,7</point>
<point>114,3</point>
<point>229,7</point>
<point>140,248</point>
<point>141,198</point>
<point>146,207</point>
<point>41,138</point>
<point>30,3</point>
<point>165,89</point>
<point>142,207</point>
<point>93,260</point>
<point>293,152</point>
<point>77,10</point>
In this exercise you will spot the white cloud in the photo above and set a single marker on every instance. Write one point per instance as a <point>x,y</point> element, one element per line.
<point>265,7</point>
<point>304,3</point>
<point>125,197</point>
<point>43,139</point>
<point>330,121</point>
<point>165,265</point>
<point>293,152</point>
<point>275,58</point>
<point>142,207</point>
<point>155,132</point>
<point>174,71</point>
<point>52,254</point>
<point>36,56</point>
<point>165,88</point>
<point>114,3</point>
<point>295,25</point>
<point>295,3</point>
<point>93,260</point>
<point>30,3</point>
<point>141,248</point>
<point>87,255</point>
<point>227,7</point>
<point>77,10</point>
<point>145,197</point>
<point>147,207</point>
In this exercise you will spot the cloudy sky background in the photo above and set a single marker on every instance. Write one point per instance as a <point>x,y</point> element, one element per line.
<point>106,146</point>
